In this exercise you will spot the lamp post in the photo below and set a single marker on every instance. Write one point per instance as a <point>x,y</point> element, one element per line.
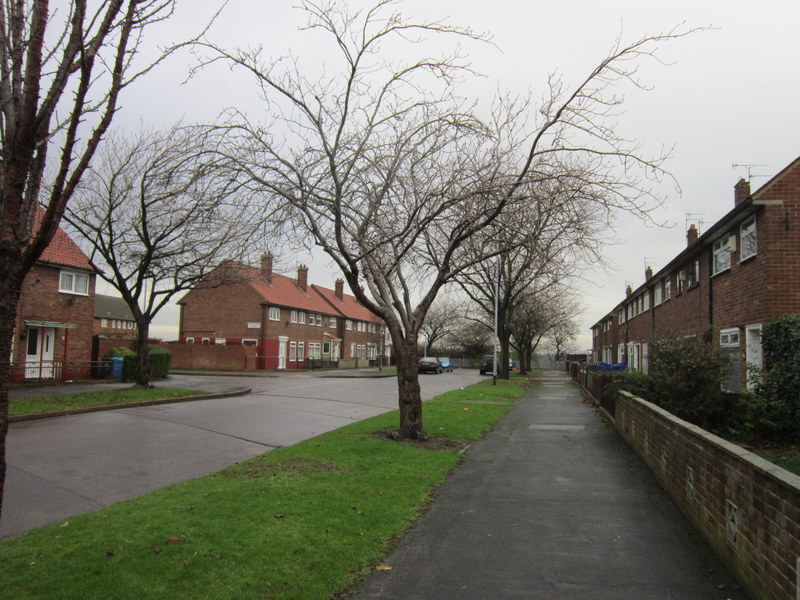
<point>496,320</point>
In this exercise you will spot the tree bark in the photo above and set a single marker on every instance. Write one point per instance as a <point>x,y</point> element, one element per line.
<point>144,367</point>
<point>10,290</point>
<point>409,398</point>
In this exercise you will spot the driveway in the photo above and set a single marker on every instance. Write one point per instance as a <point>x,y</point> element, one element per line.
<point>70,465</point>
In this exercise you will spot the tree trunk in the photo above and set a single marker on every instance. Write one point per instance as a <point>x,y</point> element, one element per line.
<point>10,289</point>
<point>409,398</point>
<point>144,369</point>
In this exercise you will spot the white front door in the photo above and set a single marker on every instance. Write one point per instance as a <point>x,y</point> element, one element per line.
<point>39,355</point>
<point>282,342</point>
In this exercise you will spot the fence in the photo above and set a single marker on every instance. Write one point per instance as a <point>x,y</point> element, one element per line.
<point>58,370</point>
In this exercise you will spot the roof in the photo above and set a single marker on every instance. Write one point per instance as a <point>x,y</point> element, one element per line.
<point>62,250</point>
<point>111,307</point>
<point>282,290</point>
<point>347,306</point>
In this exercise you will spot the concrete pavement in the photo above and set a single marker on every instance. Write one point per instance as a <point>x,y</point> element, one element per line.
<point>552,505</point>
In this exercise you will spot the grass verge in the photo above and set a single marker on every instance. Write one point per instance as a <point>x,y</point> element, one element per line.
<point>302,522</point>
<point>53,402</point>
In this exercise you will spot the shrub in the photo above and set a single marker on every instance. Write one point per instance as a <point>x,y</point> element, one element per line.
<point>684,378</point>
<point>120,353</point>
<point>778,386</point>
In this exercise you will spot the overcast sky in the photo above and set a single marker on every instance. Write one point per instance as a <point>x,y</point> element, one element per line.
<point>728,96</point>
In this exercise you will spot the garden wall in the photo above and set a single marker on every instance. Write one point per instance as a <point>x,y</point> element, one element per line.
<point>747,508</point>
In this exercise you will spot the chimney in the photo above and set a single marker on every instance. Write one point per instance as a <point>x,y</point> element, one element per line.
<point>302,277</point>
<point>266,267</point>
<point>648,273</point>
<point>741,191</point>
<point>628,291</point>
<point>691,235</point>
<point>340,289</point>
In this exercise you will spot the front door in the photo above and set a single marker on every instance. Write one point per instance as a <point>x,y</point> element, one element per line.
<point>282,341</point>
<point>39,355</point>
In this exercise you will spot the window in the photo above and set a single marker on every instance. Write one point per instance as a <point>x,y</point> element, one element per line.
<point>748,238</point>
<point>621,315</point>
<point>293,317</point>
<point>667,288</point>
<point>103,322</point>
<point>646,302</point>
<point>301,318</point>
<point>722,255</point>
<point>301,350</point>
<point>729,343</point>
<point>205,341</point>
<point>326,347</point>
<point>319,320</point>
<point>352,350</point>
<point>274,313</point>
<point>348,324</point>
<point>73,283</point>
<point>314,350</point>
<point>249,342</point>
<point>657,294</point>
<point>680,283</point>
<point>332,322</point>
<point>694,273</point>
<point>292,351</point>
<point>190,340</point>
<point>220,341</point>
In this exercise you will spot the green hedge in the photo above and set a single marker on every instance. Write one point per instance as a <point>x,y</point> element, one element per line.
<point>160,362</point>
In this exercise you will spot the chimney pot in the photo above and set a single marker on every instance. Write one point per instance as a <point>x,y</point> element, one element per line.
<point>648,273</point>
<point>266,267</point>
<point>691,235</point>
<point>628,290</point>
<point>302,277</point>
<point>339,290</point>
<point>741,191</point>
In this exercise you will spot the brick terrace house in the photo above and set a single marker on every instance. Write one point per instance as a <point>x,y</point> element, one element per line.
<point>112,318</point>
<point>53,330</point>
<point>291,324</point>
<point>741,273</point>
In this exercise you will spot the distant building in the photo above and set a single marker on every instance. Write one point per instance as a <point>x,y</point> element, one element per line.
<point>53,328</point>
<point>113,318</point>
<point>740,274</point>
<point>292,324</point>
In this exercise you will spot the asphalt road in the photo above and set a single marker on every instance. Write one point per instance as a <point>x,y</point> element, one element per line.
<point>63,466</point>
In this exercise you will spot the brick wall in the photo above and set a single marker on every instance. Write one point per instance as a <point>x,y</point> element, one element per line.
<point>747,509</point>
<point>41,301</point>
<point>214,358</point>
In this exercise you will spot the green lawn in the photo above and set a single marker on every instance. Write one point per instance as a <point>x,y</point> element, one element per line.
<point>54,402</point>
<point>302,522</point>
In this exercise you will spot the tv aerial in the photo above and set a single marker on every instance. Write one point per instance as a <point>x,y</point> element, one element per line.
<point>749,167</point>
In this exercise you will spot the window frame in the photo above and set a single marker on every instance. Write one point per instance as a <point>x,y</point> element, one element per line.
<point>721,247</point>
<point>274,313</point>
<point>747,232</point>
<point>74,276</point>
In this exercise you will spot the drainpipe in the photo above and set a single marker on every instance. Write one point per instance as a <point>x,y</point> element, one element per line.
<point>262,362</point>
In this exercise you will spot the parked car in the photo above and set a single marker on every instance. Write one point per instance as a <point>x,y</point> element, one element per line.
<point>446,364</point>
<point>429,364</point>
<point>487,364</point>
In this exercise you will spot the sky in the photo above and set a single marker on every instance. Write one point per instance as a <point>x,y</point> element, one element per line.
<point>724,99</point>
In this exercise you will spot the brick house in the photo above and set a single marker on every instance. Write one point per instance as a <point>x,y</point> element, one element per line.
<point>53,329</point>
<point>112,318</point>
<point>291,324</point>
<point>741,273</point>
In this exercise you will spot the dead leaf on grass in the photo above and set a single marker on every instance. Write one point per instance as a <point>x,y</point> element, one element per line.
<point>175,540</point>
<point>383,568</point>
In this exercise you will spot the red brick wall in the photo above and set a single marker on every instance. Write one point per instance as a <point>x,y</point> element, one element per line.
<point>214,358</point>
<point>747,508</point>
<point>41,301</point>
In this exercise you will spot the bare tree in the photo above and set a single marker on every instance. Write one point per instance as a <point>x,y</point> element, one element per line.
<point>551,236</point>
<point>385,170</point>
<point>62,75</point>
<point>441,320</point>
<point>159,211</point>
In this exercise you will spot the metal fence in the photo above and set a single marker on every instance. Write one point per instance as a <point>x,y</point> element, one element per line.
<point>58,370</point>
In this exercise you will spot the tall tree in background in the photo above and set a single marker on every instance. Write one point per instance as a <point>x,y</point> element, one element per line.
<point>380,164</point>
<point>62,73</point>
<point>159,211</point>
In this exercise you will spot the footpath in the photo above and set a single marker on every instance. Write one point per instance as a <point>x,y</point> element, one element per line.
<point>552,505</point>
